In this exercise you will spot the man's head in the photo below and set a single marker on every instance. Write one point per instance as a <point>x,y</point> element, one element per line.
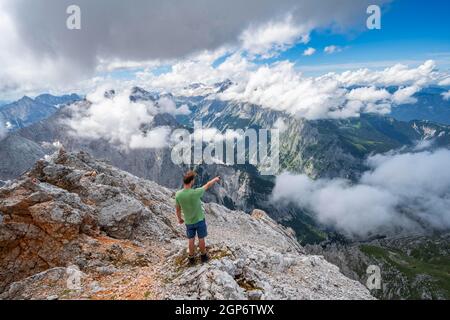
<point>189,178</point>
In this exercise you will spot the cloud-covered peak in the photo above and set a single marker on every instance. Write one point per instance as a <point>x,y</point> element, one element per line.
<point>344,95</point>
<point>122,121</point>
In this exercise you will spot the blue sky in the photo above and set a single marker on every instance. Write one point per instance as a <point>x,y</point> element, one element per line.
<point>412,30</point>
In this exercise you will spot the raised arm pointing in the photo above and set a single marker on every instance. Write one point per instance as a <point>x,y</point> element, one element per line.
<point>211,183</point>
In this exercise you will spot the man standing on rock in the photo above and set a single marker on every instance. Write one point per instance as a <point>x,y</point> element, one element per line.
<point>188,201</point>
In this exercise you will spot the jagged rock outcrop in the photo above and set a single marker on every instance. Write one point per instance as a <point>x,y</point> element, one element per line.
<point>73,212</point>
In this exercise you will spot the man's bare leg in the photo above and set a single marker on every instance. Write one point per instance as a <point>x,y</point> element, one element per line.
<point>191,247</point>
<point>202,245</point>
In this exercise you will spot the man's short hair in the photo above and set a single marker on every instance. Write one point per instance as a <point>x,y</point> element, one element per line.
<point>189,177</point>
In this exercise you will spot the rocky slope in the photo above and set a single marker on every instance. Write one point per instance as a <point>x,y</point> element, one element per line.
<point>76,213</point>
<point>412,267</point>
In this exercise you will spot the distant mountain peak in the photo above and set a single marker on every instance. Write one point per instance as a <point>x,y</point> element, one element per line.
<point>138,93</point>
<point>136,90</point>
<point>27,111</point>
<point>25,99</point>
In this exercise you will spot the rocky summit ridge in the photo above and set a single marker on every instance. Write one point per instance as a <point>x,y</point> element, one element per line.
<point>119,232</point>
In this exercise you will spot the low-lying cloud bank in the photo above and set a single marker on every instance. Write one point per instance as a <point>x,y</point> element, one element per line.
<point>122,122</point>
<point>403,192</point>
<point>129,124</point>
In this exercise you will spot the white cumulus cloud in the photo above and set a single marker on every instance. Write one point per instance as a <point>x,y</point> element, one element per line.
<point>120,121</point>
<point>445,82</point>
<point>309,52</point>
<point>332,49</point>
<point>167,105</point>
<point>267,40</point>
<point>368,94</point>
<point>397,75</point>
<point>446,95</point>
<point>405,95</point>
<point>281,87</point>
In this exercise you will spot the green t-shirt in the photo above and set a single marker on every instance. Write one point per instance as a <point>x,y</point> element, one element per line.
<point>191,205</point>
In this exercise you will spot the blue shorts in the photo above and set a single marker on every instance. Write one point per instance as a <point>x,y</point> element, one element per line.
<point>198,229</point>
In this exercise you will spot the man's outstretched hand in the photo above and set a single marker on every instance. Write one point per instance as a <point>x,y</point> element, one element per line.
<point>211,183</point>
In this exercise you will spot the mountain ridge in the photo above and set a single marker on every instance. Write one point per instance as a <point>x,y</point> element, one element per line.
<point>73,211</point>
<point>320,148</point>
<point>27,111</point>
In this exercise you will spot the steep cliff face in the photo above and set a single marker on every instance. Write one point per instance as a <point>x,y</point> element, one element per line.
<point>119,233</point>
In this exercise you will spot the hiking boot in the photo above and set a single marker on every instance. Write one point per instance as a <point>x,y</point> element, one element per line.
<point>191,261</point>
<point>204,258</point>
